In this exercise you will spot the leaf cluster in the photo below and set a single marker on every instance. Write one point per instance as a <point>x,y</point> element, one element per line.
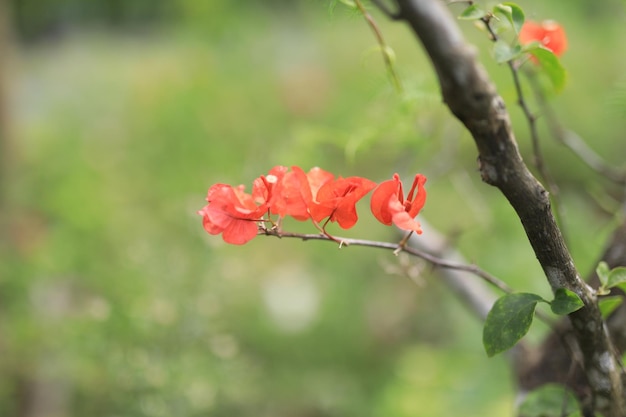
<point>511,316</point>
<point>506,16</point>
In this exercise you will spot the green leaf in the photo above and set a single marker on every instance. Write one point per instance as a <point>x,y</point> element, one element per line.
<point>609,304</point>
<point>616,276</point>
<point>513,13</point>
<point>565,302</point>
<point>549,63</point>
<point>603,273</point>
<point>503,52</point>
<point>508,321</point>
<point>548,400</point>
<point>473,12</point>
<point>348,3</point>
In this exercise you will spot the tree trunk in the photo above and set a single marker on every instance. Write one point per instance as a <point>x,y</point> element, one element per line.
<point>471,96</point>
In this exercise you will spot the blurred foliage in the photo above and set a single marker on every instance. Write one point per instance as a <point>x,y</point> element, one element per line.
<point>114,301</point>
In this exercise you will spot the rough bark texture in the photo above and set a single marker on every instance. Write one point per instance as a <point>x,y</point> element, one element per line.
<point>551,361</point>
<point>473,99</point>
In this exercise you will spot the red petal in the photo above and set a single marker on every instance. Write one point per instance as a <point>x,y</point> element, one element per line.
<point>402,219</point>
<point>549,33</point>
<point>337,199</point>
<point>214,220</point>
<point>317,177</point>
<point>240,231</point>
<point>380,199</point>
<point>530,32</point>
<point>345,215</point>
<point>292,195</point>
<point>554,39</point>
<point>420,199</point>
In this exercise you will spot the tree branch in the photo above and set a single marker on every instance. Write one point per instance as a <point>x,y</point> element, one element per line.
<point>476,296</point>
<point>572,141</point>
<point>397,248</point>
<point>472,98</point>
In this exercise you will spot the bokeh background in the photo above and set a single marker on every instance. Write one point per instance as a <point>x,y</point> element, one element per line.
<point>117,116</point>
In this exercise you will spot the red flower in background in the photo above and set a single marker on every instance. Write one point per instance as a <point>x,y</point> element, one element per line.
<point>231,212</point>
<point>389,205</point>
<point>549,33</point>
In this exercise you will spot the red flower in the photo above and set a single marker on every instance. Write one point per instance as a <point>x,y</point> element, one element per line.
<point>336,199</point>
<point>317,195</point>
<point>263,188</point>
<point>292,195</point>
<point>231,212</point>
<point>314,195</point>
<point>389,205</point>
<point>549,33</point>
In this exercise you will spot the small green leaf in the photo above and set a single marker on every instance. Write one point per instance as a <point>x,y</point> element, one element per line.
<point>609,304</point>
<point>548,400</point>
<point>333,5</point>
<point>473,12</point>
<point>616,276</point>
<point>348,3</point>
<point>503,52</point>
<point>513,13</point>
<point>603,272</point>
<point>565,302</point>
<point>508,321</point>
<point>549,63</point>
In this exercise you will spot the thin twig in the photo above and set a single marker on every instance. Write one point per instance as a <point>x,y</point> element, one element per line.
<point>386,10</point>
<point>538,159</point>
<point>434,260</point>
<point>571,140</point>
<point>384,49</point>
<point>402,247</point>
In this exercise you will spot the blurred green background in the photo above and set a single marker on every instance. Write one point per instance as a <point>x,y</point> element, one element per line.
<point>120,114</point>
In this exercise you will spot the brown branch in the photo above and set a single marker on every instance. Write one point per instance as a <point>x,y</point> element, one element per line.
<point>550,362</point>
<point>472,98</point>
<point>397,248</point>
<point>476,298</point>
<point>538,160</point>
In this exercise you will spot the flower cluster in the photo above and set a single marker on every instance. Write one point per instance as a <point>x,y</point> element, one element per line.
<point>549,33</point>
<point>316,195</point>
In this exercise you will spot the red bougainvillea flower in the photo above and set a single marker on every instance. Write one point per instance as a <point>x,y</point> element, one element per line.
<point>549,33</point>
<point>292,195</point>
<point>231,212</point>
<point>336,199</point>
<point>264,187</point>
<point>389,205</point>
<point>317,195</point>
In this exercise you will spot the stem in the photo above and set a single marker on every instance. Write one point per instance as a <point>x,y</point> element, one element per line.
<point>397,248</point>
<point>382,45</point>
<point>571,140</point>
<point>402,247</point>
<point>538,160</point>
